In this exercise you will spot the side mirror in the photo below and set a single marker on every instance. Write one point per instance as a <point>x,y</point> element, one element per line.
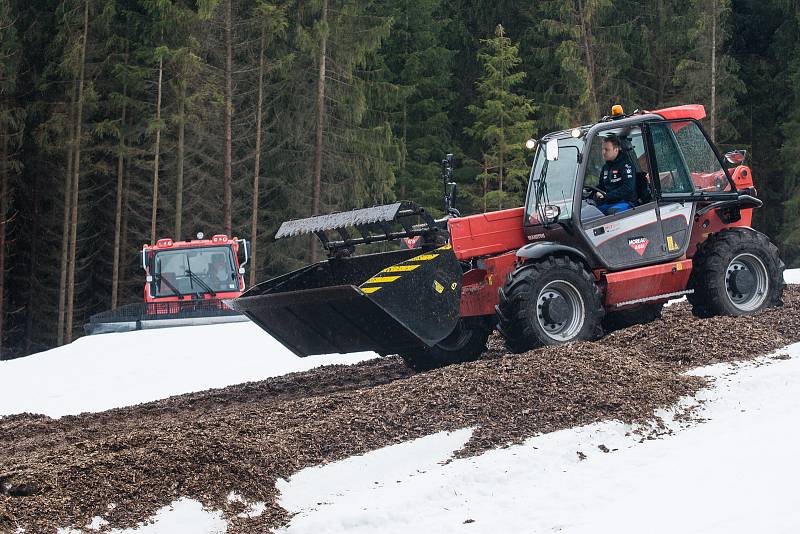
<point>736,157</point>
<point>551,214</point>
<point>551,150</point>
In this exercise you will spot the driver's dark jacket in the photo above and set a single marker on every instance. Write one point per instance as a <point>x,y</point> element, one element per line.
<point>618,180</point>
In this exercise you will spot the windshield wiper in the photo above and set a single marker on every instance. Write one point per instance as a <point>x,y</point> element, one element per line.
<point>201,282</point>
<point>169,285</point>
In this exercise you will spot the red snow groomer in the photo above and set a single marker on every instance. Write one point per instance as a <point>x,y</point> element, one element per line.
<point>186,283</point>
<point>182,272</point>
<point>566,266</point>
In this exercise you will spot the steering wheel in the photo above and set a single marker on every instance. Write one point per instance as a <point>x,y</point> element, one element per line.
<point>590,192</point>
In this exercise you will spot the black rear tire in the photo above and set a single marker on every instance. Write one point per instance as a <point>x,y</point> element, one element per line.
<point>643,314</point>
<point>549,302</point>
<point>465,344</point>
<point>736,272</point>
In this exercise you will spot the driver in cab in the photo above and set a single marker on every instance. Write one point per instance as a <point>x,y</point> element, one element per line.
<point>617,179</point>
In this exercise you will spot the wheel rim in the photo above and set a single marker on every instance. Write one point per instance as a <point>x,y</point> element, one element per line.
<point>746,282</point>
<point>560,310</point>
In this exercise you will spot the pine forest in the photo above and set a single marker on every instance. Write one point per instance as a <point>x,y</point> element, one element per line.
<point>124,121</point>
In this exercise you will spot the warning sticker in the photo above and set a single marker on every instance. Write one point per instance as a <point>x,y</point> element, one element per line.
<point>671,245</point>
<point>639,244</point>
<point>437,286</point>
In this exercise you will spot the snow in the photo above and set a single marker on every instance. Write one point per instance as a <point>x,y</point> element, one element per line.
<point>792,276</point>
<point>736,472</point>
<point>97,373</point>
<point>184,516</point>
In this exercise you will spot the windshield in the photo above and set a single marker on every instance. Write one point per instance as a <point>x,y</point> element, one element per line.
<point>553,182</point>
<point>194,270</point>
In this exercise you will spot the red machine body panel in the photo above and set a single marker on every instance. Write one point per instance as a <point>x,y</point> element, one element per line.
<point>646,282</point>
<point>689,111</point>
<point>489,233</point>
<point>710,223</point>
<point>479,287</point>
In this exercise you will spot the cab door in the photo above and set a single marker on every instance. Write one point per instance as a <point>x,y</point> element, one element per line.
<point>633,237</point>
<point>686,168</point>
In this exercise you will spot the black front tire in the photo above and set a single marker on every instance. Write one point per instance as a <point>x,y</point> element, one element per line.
<point>524,317</point>
<point>736,272</point>
<point>465,344</point>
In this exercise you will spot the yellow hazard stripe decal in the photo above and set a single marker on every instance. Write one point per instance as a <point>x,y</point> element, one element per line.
<point>381,279</point>
<point>370,289</point>
<point>399,268</point>
<point>425,257</point>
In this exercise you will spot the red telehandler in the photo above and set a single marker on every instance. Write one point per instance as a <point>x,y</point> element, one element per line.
<point>553,271</point>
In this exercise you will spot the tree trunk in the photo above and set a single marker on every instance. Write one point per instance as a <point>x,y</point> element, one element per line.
<point>227,179</point>
<point>32,293</point>
<point>3,212</point>
<point>713,71</point>
<point>502,135</point>
<point>180,155</point>
<point>118,207</point>
<point>157,151</point>
<point>317,179</point>
<point>76,164</point>
<point>257,161</point>
<point>65,228</point>
<point>594,105</point>
<point>485,181</point>
<point>125,211</point>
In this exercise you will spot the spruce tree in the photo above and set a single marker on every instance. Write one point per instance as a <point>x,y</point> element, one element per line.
<point>502,122</point>
<point>706,74</point>
<point>421,67</point>
<point>12,126</point>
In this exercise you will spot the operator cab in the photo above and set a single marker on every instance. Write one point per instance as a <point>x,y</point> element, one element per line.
<point>674,167</point>
<point>194,271</point>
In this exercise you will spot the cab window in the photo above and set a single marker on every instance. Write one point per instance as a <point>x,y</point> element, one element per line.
<point>705,169</point>
<point>672,172</point>
<point>632,143</point>
<point>553,182</point>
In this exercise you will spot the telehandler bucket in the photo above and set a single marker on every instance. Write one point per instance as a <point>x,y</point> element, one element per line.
<point>387,302</point>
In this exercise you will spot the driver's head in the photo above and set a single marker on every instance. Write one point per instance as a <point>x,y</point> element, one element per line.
<point>217,261</point>
<point>610,148</point>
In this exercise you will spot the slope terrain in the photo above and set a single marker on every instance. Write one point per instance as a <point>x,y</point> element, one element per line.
<point>125,464</point>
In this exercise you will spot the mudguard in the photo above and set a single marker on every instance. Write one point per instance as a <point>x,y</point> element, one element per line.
<point>540,249</point>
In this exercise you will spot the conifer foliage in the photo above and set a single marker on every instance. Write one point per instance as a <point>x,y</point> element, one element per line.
<point>123,121</point>
<point>502,122</point>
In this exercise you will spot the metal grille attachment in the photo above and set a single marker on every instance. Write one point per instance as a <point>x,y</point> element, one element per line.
<point>338,231</point>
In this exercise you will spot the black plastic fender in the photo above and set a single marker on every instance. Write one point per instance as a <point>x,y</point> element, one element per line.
<point>541,249</point>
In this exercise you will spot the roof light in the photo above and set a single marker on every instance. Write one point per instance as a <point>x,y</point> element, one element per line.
<point>200,235</point>
<point>617,110</point>
<point>166,242</point>
<point>219,238</point>
<point>530,144</point>
<point>576,133</point>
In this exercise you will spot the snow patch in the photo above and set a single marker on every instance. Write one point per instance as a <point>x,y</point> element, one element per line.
<point>792,276</point>
<point>734,472</point>
<point>352,481</point>
<point>184,516</point>
<point>97,373</point>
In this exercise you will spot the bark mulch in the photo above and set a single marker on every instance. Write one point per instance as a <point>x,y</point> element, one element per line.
<point>57,473</point>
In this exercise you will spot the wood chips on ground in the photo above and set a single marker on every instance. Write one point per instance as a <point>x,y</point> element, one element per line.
<point>59,473</point>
